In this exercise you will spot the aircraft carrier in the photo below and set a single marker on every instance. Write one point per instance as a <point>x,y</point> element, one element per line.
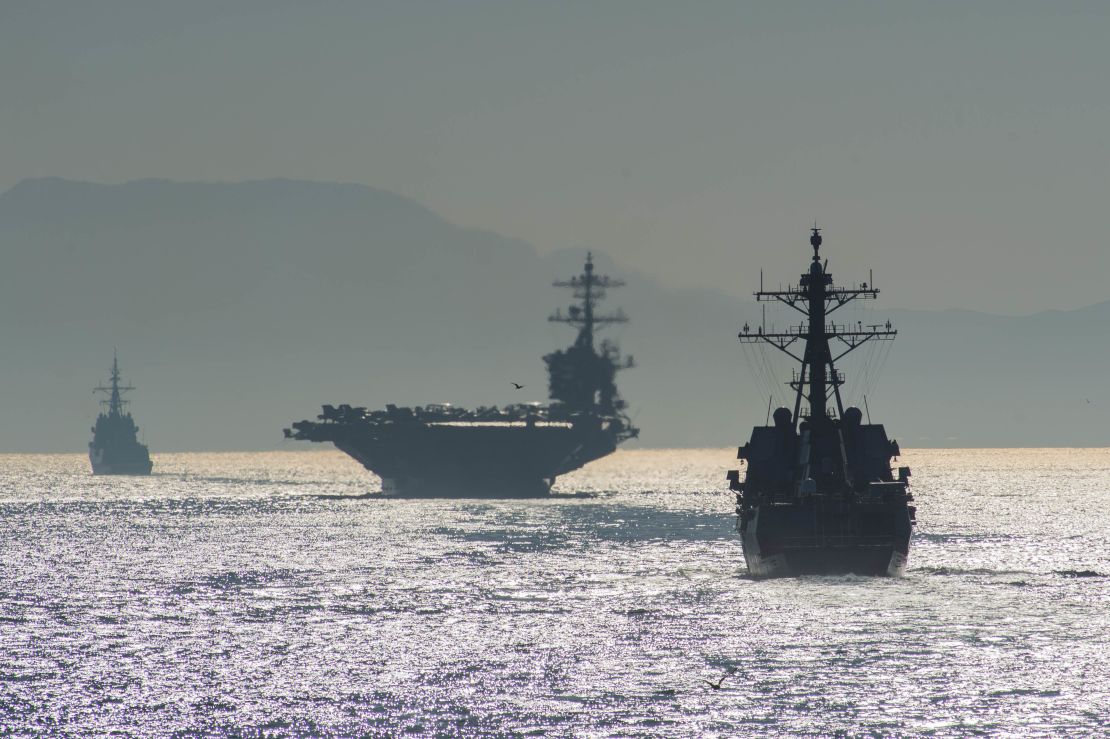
<point>516,450</point>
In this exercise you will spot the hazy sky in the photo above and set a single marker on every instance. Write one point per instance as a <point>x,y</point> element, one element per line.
<point>959,148</point>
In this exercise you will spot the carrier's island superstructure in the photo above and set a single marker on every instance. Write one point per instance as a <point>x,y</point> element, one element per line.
<point>516,450</point>
<point>115,448</point>
<point>819,495</point>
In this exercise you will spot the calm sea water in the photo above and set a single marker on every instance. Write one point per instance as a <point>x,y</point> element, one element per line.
<point>265,595</point>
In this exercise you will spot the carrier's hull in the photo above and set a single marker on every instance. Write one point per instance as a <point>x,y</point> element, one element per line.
<point>470,461</point>
<point>827,538</point>
<point>106,464</point>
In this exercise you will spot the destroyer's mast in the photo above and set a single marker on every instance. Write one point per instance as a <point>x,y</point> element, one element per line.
<point>815,297</point>
<point>114,391</point>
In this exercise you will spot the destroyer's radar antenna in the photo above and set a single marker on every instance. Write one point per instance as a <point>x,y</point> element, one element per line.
<point>817,379</point>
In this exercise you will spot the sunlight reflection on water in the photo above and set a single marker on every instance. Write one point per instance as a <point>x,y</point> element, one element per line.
<point>267,594</point>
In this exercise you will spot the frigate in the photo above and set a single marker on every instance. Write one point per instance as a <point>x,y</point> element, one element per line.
<point>516,450</point>
<point>115,448</point>
<point>819,495</point>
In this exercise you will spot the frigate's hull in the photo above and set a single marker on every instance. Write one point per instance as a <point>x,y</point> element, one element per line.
<point>827,538</point>
<point>470,461</point>
<point>119,464</point>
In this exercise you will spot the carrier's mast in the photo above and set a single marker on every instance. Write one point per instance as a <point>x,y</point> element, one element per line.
<point>815,297</point>
<point>590,290</point>
<point>582,377</point>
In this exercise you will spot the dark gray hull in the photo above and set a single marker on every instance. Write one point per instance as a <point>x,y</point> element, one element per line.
<point>827,538</point>
<point>106,463</point>
<point>469,461</point>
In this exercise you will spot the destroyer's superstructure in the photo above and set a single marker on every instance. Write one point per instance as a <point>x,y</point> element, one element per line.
<point>517,450</point>
<point>115,447</point>
<point>819,495</point>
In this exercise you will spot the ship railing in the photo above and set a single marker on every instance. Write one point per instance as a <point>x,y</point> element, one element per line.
<point>801,330</point>
<point>805,412</point>
<point>438,413</point>
<point>503,424</point>
<point>836,376</point>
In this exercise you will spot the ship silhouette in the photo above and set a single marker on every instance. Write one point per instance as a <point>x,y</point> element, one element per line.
<point>517,450</point>
<point>115,447</point>
<point>819,495</point>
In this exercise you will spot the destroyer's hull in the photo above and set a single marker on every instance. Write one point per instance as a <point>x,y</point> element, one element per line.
<point>469,461</point>
<point>104,464</point>
<point>826,538</point>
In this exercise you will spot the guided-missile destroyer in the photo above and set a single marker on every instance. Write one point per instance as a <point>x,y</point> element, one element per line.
<point>517,450</point>
<point>819,495</point>
<point>115,447</point>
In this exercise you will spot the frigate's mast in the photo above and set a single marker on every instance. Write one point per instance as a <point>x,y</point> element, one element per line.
<point>590,290</point>
<point>114,390</point>
<point>815,297</point>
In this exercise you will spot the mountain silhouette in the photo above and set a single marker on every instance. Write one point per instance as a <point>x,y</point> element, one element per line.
<point>240,307</point>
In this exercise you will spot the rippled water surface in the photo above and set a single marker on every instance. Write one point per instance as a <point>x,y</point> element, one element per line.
<point>267,595</point>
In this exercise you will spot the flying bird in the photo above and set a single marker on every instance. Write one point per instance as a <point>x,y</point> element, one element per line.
<point>517,385</point>
<point>717,685</point>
